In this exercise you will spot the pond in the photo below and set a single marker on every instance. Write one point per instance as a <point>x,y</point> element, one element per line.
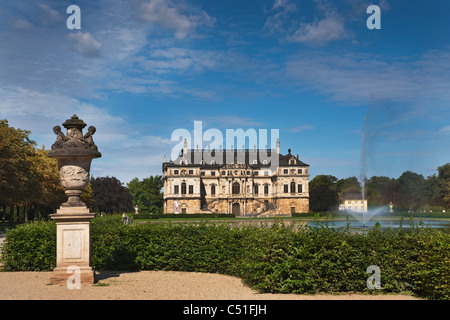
<point>393,223</point>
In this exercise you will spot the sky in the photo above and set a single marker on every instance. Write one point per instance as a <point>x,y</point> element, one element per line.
<point>138,70</point>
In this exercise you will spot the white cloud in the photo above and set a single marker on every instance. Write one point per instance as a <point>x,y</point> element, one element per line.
<point>278,15</point>
<point>328,26</point>
<point>50,16</point>
<point>169,16</point>
<point>85,44</point>
<point>126,152</point>
<point>364,78</point>
<point>301,128</point>
<point>319,32</point>
<point>445,130</point>
<point>22,24</point>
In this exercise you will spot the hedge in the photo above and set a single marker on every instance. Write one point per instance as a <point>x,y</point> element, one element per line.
<point>277,259</point>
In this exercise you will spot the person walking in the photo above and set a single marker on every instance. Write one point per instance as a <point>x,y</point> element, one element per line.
<point>125,218</point>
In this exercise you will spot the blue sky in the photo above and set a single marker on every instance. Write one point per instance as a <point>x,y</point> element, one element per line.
<point>138,70</point>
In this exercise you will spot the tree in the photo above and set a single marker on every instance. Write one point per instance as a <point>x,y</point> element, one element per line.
<point>147,193</point>
<point>110,195</point>
<point>348,184</point>
<point>16,148</point>
<point>381,190</point>
<point>413,190</point>
<point>443,185</point>
<point>323,195</point>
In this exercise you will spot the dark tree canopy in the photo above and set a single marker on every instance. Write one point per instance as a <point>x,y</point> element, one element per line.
<point>110,195</point>
<point>323,195</point>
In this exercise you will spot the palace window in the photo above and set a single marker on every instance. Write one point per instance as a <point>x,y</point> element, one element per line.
<point>255,189</point>
<point>191,171</point>
<point>286,171</point>
<point>176,171</point>
<point>300,188</point>
<point>213,173</point>
<point>286,188</point>
<point>292,187</point>
<point>213,189</point>
<point>183,188</point>
<point>176,189</point>
<point>191,189</point>
<point>266,189</point>
<point>236,188</point>
<point>300,171</point>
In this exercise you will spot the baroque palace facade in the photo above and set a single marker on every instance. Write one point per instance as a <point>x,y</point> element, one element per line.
<point>248,187</point>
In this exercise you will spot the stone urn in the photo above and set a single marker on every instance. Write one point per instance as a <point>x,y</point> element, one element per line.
<point>74,152</point>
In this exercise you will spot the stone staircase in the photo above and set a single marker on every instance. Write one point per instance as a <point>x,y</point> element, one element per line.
<point>271,210</point>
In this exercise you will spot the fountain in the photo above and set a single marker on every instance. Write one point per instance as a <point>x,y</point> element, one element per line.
<point>365,215</point>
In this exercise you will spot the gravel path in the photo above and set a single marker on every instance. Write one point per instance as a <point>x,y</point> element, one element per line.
<point>152,285</point>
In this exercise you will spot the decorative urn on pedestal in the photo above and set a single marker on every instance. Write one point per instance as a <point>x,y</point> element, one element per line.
<point>74,152</point>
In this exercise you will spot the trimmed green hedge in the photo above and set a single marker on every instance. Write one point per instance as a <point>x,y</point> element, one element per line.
<point>277,259</point>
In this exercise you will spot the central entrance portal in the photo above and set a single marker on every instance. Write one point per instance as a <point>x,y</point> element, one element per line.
<point>236,209</point>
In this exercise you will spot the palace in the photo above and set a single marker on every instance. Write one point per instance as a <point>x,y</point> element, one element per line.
<point>249,186</point>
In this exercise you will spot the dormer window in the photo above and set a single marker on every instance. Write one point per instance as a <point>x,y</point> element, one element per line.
<point>292,161</point>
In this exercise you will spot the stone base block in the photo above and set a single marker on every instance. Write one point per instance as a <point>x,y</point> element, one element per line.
<point>77,275</point>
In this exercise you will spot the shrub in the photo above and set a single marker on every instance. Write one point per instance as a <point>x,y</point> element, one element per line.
<point>277,259</point>
<point>30,247</point>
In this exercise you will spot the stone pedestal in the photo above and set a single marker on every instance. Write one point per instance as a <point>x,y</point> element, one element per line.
<point>73,228</point>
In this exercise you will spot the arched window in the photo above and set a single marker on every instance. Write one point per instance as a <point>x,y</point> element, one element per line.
<point>183,188</point>
<point>213,189</point>
<point>236,188</point>
<point>292,187</point>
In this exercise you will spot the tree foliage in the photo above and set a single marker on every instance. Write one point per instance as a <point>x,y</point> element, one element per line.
<point>410,191</point>
<point>110,195</point>
<point>323,195</point>
<point>147,193</point>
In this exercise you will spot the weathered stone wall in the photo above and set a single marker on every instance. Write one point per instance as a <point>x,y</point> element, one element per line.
<point>191,205</point>
<point>300,205</point>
